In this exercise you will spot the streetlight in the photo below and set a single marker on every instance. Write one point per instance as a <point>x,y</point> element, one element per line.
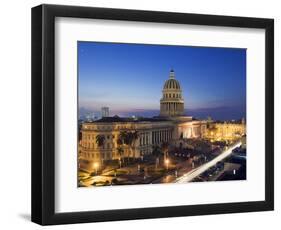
<point>167,163</point>
<point>96,166</point>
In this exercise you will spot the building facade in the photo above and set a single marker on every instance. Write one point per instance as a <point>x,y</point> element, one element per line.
<point>225,130</point>
<point>150,132</point>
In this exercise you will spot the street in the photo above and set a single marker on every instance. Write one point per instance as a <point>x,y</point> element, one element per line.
<point>199,170</point>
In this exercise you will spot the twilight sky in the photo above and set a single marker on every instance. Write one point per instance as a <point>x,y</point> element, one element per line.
<point>128,78</point>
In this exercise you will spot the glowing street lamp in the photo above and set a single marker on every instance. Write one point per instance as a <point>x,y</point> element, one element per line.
<point>167,163</point>
<point>96,166</point>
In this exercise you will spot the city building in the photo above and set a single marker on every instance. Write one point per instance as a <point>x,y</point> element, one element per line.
<point>104,112</point>
<point>227,130</point>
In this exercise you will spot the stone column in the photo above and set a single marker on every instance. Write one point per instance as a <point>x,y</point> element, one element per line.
<point>145,138</point>
<point>157,137</point>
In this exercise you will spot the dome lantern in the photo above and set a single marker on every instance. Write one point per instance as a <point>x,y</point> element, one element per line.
<point>172,74</point>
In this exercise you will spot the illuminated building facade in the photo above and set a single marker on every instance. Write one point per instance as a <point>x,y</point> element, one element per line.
<point>218,131</point>
<point>170,126</point>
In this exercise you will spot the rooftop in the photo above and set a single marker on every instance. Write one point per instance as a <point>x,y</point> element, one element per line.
<point>129,119</point>
<point>229,122</point>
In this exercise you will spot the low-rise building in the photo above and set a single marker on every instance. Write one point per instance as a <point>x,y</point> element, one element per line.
<point>231,130</point>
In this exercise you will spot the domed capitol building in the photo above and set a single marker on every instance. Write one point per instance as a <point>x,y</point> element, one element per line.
<point>172,103</point>
<point>171,126</point>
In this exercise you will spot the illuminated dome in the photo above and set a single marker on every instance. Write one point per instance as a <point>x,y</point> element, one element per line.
<point>172,103</point>
<point>172,83</point>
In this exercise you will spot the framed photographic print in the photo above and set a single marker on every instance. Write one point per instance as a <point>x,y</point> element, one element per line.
<point>142,114</point>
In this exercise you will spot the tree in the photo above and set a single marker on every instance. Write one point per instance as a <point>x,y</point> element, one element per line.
<point>165,148</point>
<point>100,139</point>
<point>119,141</point>
<point>120,152</point>
<point>123,139</point>
<point>156,151</point>
<point>181,135</point>
<point>129,139</point>
<point>180,145</point>
<point>135,136</point>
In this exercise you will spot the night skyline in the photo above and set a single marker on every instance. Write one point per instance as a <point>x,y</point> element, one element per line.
<point>128,78</point>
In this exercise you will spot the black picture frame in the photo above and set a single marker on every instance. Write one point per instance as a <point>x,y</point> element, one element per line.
<point>43,114</point>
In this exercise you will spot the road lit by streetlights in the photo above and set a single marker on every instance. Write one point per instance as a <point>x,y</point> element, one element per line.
<point>197,171</point>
